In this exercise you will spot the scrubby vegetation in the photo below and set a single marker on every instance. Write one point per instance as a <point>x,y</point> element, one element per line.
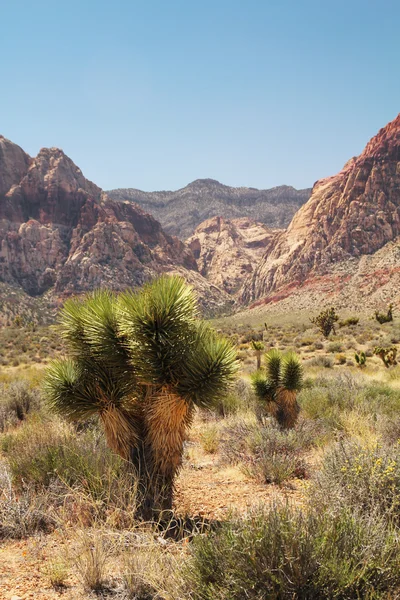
<point>384,317</point>
<point>325,321</point>
<point>260,510</point>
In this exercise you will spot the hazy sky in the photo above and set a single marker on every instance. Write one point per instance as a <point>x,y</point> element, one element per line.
<point>153,94</point>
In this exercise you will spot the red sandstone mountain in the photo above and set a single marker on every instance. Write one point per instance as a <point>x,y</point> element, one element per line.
<point>60,233</point>
<point>227,250</point>
<point>350,215</point>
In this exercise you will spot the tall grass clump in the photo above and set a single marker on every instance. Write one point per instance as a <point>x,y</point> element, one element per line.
<point>17,399</point>
<point>74,470</point>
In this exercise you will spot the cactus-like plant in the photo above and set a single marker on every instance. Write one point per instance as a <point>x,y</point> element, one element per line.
<point>141,363</point>
<point>387,355</point>
<point>258,348</point>
<point>325,321</point>
<point>278,384</point>
<point>361,359</point>
<point>385,317</point>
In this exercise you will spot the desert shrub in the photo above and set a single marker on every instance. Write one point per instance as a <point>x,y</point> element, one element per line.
<point>42,454</point>
<point>362,478</point>
<point>150,572</point>
<point>321,361</point>
<point>209,439</point>
<point>288,553</point>
<point>234,441</point>
<point>276,454</point>
<point>341,359</point>
<point>351,321</point>
<point>318,346</point>
<point>335,347</point>
<point>16,400</point>
<point>25,513</point>
<point>329,397</point>
<point>306,341</point>
<point>241,398</point>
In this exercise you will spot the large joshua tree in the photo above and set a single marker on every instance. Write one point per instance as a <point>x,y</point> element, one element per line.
<point>277,386</point>
<point>141,362</point>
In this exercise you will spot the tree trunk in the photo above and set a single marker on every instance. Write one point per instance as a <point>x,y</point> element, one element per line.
<point>287,408</point>
<point>166,421</point>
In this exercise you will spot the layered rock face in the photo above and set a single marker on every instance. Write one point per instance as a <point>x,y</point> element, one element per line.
<point>180,212</point>
<point>60,233</point>
<point>352,214</point>
<point>228,250</point>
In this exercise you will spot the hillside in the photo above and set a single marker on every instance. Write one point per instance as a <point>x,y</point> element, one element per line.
<point>330,245</point>
<point>181,211</point>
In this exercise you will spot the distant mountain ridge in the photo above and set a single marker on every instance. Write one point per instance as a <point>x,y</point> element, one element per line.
<point>181,211</point>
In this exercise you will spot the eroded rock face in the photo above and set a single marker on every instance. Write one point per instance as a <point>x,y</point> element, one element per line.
<point>60,233</point>
<point>227,251</point>
<point>352,214</point>
<point>14,164</point>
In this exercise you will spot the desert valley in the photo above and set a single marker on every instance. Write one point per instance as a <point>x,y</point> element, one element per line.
<point>145,455</point>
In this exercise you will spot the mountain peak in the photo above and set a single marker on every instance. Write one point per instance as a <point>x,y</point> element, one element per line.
<point>204,182</point>
<point>349,215</point>
<point>386,143</point>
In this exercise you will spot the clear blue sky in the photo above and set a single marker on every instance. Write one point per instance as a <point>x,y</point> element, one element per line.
<point>155,93</point>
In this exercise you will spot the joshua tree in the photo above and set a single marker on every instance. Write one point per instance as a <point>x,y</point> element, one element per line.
<point>278,386</point>
<point>141,362</point>
<point>387,355</point>
<point>325,321</point>
<point>258,348</point>
<point>385,318</point>
<point>361,359</point>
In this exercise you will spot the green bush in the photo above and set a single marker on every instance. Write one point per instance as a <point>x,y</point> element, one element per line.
<point>286,553</point>
<point>335,347</point>
<point>365,479</point>
<point>321,361</point>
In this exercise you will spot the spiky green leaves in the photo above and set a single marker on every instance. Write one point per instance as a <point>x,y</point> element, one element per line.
<point>282,371</point>
<point>160,325</point>
<point>291,372</point>
<point>99,373</point>
<point>262,387</point>
<point>257,345</point>
<point>169,347</point>
<point>119,345</point>
<point>210,365</point>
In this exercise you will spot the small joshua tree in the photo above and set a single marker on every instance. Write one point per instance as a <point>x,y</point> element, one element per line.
<point>278,386</point>
<point>258,348</point>
<point>387,355</point>
<point>361,359</point>
<point>385,317</point>
<point>325,321</point>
